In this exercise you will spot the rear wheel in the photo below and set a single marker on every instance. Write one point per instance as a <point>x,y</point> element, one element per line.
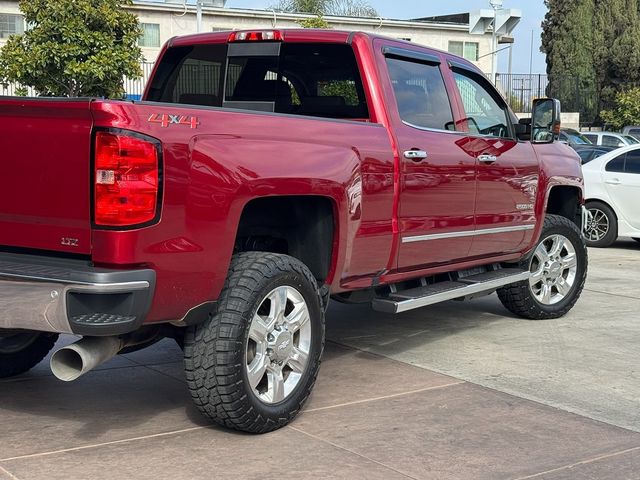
<point>20,352</point>
<point>558,267</point>
<point>602,228</point>
<point>253,364</point>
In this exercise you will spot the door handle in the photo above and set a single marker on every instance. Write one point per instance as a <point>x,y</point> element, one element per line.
<point>613,181</point>
<point>486,158</point>
<point>415,155</point>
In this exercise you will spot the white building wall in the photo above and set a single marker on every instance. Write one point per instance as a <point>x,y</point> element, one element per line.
<point>175,20</point>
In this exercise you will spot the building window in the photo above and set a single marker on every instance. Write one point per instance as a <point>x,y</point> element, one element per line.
<point>150,35</point>
<point>468,50</point>
<point>10,24</point>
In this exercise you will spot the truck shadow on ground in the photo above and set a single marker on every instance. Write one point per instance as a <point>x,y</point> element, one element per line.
<point>389,334</point>
<point>131,397</point>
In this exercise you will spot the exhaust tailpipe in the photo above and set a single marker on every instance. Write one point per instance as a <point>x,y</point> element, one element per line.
<point>73,361</point>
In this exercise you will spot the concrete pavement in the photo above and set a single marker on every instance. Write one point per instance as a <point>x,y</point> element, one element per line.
<point>454,391</point>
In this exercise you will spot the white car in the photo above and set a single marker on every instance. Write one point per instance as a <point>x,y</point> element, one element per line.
<point>612,193</point>
<point>610,139</point>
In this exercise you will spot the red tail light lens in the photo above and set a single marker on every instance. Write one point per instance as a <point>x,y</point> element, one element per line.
<point>126,179</point>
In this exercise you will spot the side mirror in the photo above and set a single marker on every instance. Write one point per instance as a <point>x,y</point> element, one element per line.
<point>545,120</point>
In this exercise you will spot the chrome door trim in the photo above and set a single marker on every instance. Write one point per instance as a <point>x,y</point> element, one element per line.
<point>468,233</point>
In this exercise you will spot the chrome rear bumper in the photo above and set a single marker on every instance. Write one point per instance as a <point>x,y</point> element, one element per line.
<point>71,296</point>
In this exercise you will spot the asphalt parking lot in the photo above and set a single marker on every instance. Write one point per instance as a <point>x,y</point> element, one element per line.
<point>454,391</point>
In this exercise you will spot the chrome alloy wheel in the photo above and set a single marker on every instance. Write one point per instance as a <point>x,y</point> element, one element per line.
<point>553,269</point>
<point>277,350</point>
<point>597,225</point>
<point>14,343</point>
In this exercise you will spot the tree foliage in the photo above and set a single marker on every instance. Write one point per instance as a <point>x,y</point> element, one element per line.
<point>626,110</point>
<point>593,43</point>
<point>345,8</point>
<point>315,22</point>
<point>567,39</point>
<point>74,48</point>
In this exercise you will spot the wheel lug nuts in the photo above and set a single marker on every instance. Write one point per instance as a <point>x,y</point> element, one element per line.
<point>270,337</point>
<point>269,352</point>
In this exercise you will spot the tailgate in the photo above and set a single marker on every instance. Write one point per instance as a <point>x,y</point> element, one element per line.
<point>45,198</point>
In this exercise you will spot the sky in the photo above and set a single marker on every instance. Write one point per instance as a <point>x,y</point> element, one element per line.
<point>532,15</point>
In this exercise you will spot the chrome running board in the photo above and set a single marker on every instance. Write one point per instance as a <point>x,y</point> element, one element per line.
<point>401,301</point>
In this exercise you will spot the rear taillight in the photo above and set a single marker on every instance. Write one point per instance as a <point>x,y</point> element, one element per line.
<point>126,179</point>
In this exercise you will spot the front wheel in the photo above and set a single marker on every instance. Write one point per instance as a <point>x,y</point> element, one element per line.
<point>558,267</point>
<point>254,363</point>
<point>21,351</point>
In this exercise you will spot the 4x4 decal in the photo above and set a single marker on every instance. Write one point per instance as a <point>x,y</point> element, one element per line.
<point>165,120</point>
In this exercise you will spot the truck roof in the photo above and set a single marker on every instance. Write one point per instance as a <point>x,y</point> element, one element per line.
<point>289,35</point>
<point>301,35</point>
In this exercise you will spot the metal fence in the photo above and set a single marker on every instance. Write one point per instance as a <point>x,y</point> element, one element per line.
<point>520,89</point>
<point>135,88</point>
<point>575,94</point>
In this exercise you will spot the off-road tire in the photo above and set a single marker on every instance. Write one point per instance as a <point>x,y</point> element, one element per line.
<point>519,299</point>
<point>215,350</point>
<point>15,362</point>
<point>612,234</point>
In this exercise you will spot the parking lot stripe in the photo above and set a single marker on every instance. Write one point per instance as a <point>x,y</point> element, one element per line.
<point>96,445</point>
<point>324,440</point>
<point>385,397</point>
<point>8,473</point>
<point>611,294</point>
<point>583,462</point>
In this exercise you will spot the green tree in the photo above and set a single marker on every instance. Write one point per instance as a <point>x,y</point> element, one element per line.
<point>568,42</point>
<point>626,110</point>
<point>74,48</point>
<point>616,47</point>
<point>315,22</point>
<point>347,8</point>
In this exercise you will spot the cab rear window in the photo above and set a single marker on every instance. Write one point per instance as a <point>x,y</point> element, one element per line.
<point>321,80</point>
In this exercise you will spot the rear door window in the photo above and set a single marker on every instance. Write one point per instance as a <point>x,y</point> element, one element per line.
<point>616,165</point>
<point>420,93</point>
<point>632,162</point>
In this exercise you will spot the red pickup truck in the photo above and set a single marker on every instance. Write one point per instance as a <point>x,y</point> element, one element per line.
<point>263,173</point>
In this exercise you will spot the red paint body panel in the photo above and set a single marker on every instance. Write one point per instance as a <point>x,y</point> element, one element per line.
<point>211,172</point>
<point>44,174</point>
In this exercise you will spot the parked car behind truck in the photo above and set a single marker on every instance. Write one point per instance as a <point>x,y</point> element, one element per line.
<point>610,139</point>
<point>262,173</point>
<point>612,186</point>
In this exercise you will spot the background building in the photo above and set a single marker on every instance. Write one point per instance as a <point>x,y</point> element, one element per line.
<point>162,20</point>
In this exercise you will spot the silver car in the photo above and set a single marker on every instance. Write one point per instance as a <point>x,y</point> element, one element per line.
<point>610,139</point>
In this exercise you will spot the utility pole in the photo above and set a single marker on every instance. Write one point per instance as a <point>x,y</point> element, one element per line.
<point>496,5</point>
<point>198,16</point>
